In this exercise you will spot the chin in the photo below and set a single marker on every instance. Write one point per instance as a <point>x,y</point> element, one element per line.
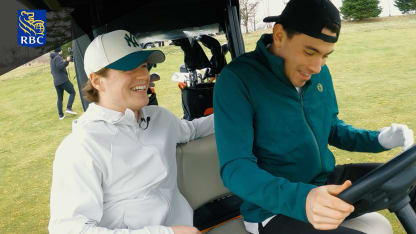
<point>138,105</point>
<point>143,103</point>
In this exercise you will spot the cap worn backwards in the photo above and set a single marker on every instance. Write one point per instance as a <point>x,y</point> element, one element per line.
<point>309,17</point>
<point>118,50</point>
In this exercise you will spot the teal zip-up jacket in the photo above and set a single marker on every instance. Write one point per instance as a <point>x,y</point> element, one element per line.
<point>272,141</point>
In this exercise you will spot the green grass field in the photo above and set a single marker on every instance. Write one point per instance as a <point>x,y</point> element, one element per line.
<point>374,72</point>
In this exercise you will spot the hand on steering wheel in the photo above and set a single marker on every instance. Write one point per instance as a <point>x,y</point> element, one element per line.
<point>387,186</point>
<point>324,210</point>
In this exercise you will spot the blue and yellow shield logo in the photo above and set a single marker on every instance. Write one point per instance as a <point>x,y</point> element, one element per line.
<point>31,28</point>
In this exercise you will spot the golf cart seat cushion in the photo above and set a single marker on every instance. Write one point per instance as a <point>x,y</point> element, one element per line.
<point>198,171</point>
<point>200,182</point>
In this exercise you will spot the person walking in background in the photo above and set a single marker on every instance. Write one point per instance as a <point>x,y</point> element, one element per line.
<point>61,81</point>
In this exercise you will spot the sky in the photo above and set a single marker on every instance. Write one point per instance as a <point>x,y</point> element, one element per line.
<point>275,7</point>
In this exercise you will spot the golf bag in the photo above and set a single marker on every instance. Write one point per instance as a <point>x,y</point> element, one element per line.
<point>197,92</point>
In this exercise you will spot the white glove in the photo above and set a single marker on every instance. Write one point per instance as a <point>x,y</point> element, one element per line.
<point>396,135</point>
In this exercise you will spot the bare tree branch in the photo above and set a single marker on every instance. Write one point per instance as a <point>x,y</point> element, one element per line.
<point>248,12</point>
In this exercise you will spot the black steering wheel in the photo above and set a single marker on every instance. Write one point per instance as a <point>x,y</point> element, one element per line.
<point>387,187</point>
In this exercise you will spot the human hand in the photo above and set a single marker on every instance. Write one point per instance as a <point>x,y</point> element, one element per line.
<point>185,230</point>
<point>68,58</point>
<point>396,135</point>
<point>324,210</point>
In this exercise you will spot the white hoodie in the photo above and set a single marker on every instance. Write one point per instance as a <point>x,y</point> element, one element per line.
<point>113,175</point>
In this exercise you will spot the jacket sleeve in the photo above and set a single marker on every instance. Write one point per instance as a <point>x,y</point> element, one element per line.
<point>234,127</point>
<point>347,137</point>
<point>76,202</point>
<point>191,130</point>
<point>60,63</point>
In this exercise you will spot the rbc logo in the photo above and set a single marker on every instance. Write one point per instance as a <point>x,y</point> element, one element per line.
<point>31,28</point>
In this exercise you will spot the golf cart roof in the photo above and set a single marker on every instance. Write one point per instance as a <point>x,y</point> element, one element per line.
<point>142,15</point>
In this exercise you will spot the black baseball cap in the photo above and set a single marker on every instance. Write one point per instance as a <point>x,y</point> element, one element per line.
<point>309,17</point>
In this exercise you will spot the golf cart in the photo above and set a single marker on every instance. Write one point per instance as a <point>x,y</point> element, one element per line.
<point>186,23</point>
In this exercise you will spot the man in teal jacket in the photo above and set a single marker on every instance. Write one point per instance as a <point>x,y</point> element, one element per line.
<point>275,114</point>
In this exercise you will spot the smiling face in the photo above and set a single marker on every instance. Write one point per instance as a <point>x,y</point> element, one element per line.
<point>123,89</point>
<point>303,55</point>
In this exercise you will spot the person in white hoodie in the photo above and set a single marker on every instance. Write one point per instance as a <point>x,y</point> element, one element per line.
<point>116,172</point>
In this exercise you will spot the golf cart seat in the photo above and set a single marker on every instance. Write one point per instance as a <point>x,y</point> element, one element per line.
<point>216,210</point>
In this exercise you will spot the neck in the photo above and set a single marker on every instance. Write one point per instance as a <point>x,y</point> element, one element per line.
<point>137,115</point>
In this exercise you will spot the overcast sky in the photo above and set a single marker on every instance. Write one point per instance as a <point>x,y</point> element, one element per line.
<point>275,7</point>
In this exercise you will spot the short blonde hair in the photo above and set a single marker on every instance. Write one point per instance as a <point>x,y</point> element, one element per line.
<point>91,93</point>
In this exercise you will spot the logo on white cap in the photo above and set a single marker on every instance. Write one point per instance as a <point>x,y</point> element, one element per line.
<point>131,40</point>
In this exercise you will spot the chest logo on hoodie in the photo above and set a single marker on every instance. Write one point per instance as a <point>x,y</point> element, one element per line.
<point>320,87</point>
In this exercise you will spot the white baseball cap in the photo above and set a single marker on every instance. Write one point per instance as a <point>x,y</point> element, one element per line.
<point>118,50</point>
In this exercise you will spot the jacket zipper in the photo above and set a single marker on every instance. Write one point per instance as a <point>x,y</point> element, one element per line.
<point>309,127</point>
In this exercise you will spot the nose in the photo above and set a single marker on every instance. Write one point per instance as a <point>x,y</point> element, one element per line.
<point>315,65</point>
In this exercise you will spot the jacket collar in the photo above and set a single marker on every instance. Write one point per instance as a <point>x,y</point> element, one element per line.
<point>275,63</point>
<point>99,113</point>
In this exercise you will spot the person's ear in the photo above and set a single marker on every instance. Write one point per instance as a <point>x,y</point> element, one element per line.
<point>96,82</point>
<point>279,35</point>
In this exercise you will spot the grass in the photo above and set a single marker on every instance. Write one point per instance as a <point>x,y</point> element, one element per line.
<point>374,75</point>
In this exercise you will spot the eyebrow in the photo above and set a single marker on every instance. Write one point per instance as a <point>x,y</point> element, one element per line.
<point>317,51</point>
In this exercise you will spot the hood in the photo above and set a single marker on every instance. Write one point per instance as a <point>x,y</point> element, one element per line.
<point>53,55</point>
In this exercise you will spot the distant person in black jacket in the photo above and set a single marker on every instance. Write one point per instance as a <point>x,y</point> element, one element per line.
<point>61,81</point>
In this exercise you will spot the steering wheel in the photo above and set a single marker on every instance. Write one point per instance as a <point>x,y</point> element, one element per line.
<point>387,187</point>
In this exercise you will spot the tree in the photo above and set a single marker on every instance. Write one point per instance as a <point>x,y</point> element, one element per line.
<point>248,12</point>
<point>405,6</point>
<point>360,9</point>
<point>254,21</point>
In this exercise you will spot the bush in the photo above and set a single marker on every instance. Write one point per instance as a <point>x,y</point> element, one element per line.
<point>405,6</point>
<point>360,9</point>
